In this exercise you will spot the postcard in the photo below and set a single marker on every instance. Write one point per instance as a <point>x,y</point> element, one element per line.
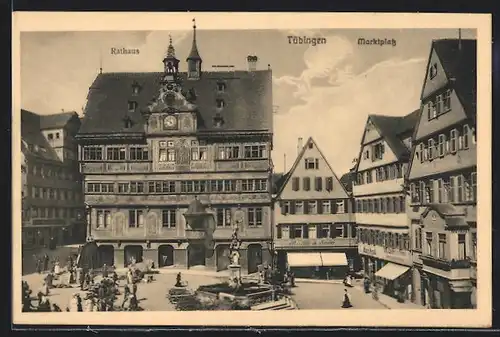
<point>321,166</point>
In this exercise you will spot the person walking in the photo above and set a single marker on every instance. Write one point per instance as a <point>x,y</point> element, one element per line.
<point>45,262</point>
<point>346,302</point>
<point>38,265</point>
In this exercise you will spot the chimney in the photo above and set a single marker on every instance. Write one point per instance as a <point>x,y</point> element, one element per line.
<point>284,162</point>
<point>299,145</point>
<point>252,62</point>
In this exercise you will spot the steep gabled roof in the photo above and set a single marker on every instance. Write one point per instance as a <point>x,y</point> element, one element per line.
<point>247,97</point>
<point>392,129</point>
<point>56,121</point>
<point>459,61</point>
<point>286,178</point>
<point>34,143</point>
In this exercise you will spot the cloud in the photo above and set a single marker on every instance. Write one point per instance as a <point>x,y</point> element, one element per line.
<point>334,113</point>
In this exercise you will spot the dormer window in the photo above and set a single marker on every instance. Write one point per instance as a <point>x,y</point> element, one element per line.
<point>136,88</point>
<point>220,103</point>
<point>221,87</point>
<point>128,122</point>
<point>218,120</point>
<point>132,106</point>
<point>433,71</point>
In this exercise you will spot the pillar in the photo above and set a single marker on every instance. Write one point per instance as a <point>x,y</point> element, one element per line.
<point>119,257</point>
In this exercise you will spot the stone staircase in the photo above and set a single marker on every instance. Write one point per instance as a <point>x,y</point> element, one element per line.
<point>285,303</point>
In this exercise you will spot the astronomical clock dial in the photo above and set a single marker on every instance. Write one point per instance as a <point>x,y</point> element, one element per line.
<point>170,122</point>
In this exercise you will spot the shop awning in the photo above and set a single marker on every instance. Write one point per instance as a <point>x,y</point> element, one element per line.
<point>392,271</point>
<point>333,259</point>
<point>304,259</point>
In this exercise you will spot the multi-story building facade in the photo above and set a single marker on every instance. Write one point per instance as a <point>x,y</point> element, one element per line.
<point>442,179</point>
<point>381,201</point>
<point>314,232</point>
<point>152,143</point>
<point>53,212</point>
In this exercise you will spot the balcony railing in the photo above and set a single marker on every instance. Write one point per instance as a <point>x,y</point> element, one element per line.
<point>444,264</point>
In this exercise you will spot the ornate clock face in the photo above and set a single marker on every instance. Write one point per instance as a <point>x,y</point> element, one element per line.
<point>170,121</point>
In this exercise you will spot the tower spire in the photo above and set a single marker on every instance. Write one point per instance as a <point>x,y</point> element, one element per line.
<point>194,59</point>
<point>171,49</point>
<point>194,54</point>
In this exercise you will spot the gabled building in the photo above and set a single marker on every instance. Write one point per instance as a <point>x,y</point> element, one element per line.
<point>442,179</point>
<point>381,201</point>
<point>52,202</point>
<point>315,234</point>
<point>150,143</point>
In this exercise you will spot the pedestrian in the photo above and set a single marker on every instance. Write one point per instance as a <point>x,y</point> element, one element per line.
<point>126,295</point>
<point>346,302</point>
<point>57,268</point>
<point>134,289</point>
<point>292,279</point>
<point>79,306</point>
<point>38,266</point>
<point>56,308</point>
<point>133,303</point>
<point>115,278</point>
<point>130,276</point>
<point>366,284</point>
<point>104,271</point>
<point>44,304</point>
<point>73,303</point>
<point>45,262</point>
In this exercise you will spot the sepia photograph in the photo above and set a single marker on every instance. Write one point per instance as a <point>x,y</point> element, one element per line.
<point>243,162</point>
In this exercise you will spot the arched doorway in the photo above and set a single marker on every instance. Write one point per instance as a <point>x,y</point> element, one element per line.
<point>254,257</point>
<point>132,253</point>
<point>196,255</point>
<point>165,255</point>
<point>222,255</point>
<point>107,255</point>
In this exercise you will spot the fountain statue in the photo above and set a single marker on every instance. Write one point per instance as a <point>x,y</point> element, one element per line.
<point>234,256</point>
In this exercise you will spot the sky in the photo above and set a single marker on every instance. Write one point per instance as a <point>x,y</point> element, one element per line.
<point>324,91</point>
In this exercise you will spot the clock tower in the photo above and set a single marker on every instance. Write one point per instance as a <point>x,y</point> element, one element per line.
<point>171,110</point>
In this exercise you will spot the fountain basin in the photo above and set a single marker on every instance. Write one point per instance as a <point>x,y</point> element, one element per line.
<point>247,295</point>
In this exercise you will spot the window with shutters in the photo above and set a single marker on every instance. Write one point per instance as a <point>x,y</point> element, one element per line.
<point>429,110</point>
<point>255,151</point>
<point>462,247</point>
<point>390,205</point>
<point>466,137</point>
<point>442,246</point>
<point>103,219</point>
<point>442,145</point>
<point>460,142</point>
<point>296,231</point>
<point>453,189</point>
<point>460,189</point>
<point>359,206</point>
<point>447,101</point>
<point>418,238</point>
<point>319,184</point>
<point>299,207</point>
<point>439,105</point>
<point>473,183</point>
<point>432,153</point>
<point>453,140</point>
<point>440,190</point>
<point>306,182</point>
<point>311,163</point>
<point>279,231</point>
<point>326,206</point>
<point>312,207</point>
<point>329,184</point>
<point>295,183</point>
<point>428,243</point>
<point>323,231</point>
<point>395,201</point>
<point>378,151</point>
<point>474,246</point>
<point>285,207</point>
<point>369,177</point>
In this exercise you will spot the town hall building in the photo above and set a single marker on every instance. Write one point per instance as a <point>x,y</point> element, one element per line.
<point>151,144</point>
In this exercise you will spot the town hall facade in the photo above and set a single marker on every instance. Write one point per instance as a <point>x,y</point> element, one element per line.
<point>152,143</point>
